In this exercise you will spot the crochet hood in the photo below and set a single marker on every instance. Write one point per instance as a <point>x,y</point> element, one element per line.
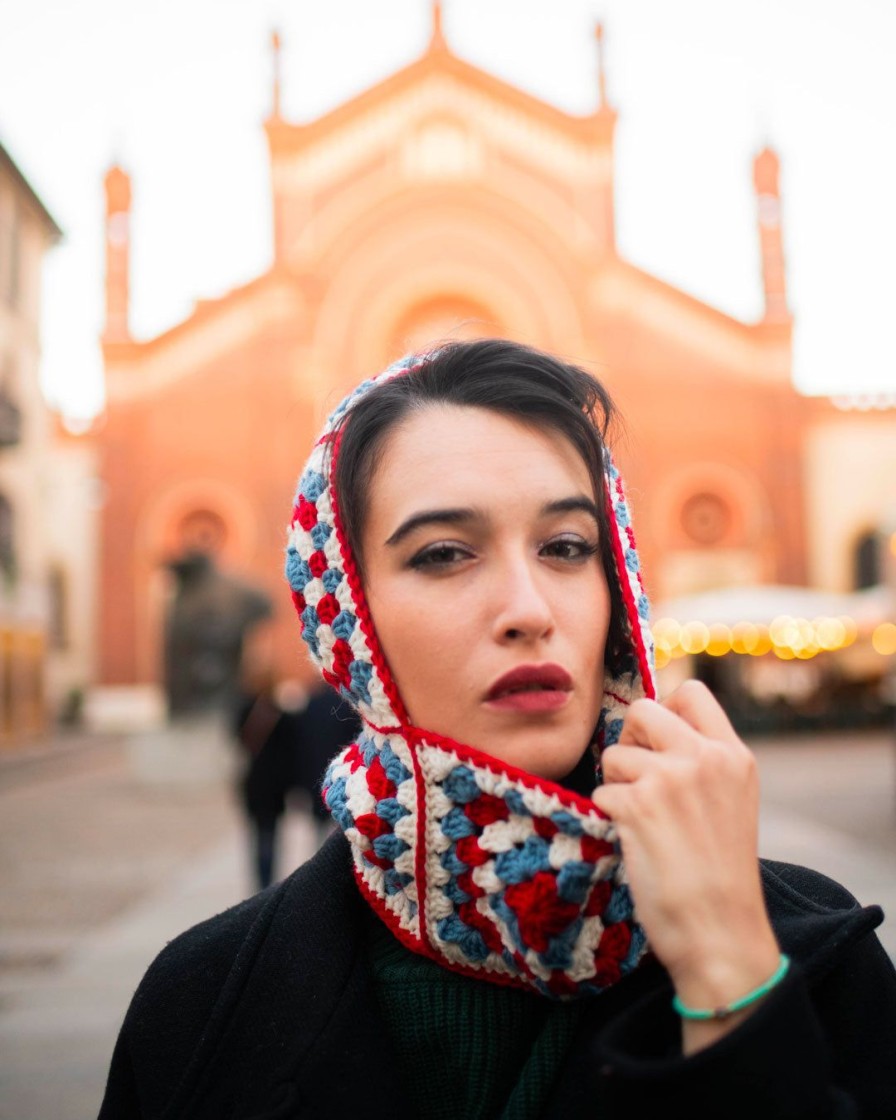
<point>470,861</point>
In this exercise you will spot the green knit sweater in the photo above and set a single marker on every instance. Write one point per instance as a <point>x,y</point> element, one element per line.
<point>468,1049</point>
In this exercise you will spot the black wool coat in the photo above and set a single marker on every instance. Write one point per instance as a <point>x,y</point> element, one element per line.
<point>267,1012</point>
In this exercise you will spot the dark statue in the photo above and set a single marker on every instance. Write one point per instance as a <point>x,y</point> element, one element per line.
<point>207,623</point>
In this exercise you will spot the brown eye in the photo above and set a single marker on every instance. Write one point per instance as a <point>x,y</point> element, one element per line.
<point>569,548</point>
<point>440,556</point>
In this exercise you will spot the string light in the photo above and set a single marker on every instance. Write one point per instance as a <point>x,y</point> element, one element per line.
<point>786,636</point>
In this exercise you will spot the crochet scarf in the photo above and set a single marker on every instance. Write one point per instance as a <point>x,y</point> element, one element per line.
<point>487,869</point>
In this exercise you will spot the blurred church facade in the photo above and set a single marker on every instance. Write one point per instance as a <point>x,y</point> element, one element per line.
<point>444,202</point>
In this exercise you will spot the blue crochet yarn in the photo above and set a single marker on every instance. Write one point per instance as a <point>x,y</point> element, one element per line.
<point>470,940</point>
<point>456,825</point>
<point>389,846</point>
<point>334,797</point>
<point>574,881</point>
<point>452,862</point>
<point>390,810</point>
<point>460,785</point>
<point>508,917</point>
<point>395,881</point>
<point>455,893</point>
<point>310,618</point>
<point>619,907</point>
<point>310,623</point>
<point>346,402</point>
<point>312,484</point>
<point>513,799</point>
<point>521,864</point>
<point>298,574</point>
<point>396,771</point>
<point>343,625</point>
<point>559,951</point>
<point>320,534</point>
<point>639,940</point>
<point>612,731</point>
<point>331,580</point>
<point>567,823</point>
<point>361,672</point>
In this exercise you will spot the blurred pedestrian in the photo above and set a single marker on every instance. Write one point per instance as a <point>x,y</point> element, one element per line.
<point>209,619</point>
<point>270,739</point>
<point>327,724</point>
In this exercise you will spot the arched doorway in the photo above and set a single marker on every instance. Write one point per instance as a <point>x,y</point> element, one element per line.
<point>441,318</point>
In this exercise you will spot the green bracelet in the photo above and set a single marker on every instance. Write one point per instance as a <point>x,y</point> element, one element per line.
<point>739,1004</point>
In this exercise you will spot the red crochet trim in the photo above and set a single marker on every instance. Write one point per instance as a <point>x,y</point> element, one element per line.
<point>351,574</point>
<point>382,730</point>
<point>628,597</point>
<point>354,582</point>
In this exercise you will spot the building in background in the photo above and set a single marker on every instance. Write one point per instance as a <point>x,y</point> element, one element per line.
<point>28,576</point>
<point>850,464</point>
<point>444,202</point>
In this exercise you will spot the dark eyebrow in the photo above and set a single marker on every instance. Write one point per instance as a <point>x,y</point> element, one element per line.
<point>460,515</point>
<point>572,505</point>
<point>431,517</point>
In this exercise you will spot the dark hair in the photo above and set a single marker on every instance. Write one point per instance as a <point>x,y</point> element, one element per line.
<point>505,377</point>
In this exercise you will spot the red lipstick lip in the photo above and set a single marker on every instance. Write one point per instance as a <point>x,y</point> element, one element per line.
<point>530,678</point>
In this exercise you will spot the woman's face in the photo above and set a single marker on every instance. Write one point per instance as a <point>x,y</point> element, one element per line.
<point>483,576</point>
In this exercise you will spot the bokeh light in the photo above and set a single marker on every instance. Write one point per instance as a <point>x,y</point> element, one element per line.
<point>884,639</point>
<point>694,637</point>
<point>719,640</point>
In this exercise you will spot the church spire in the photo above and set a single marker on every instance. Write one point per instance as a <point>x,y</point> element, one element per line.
<point>275,73</point>
<point>117,184</point>
<point>771,244</point>
<point>437,38</point>
<point>601,69</point>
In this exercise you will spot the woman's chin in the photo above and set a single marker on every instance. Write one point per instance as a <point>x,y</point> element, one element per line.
<point>545,744</point>
<point>545,755</point>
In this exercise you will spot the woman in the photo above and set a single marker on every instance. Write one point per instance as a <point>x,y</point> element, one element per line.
<point>462,560</point>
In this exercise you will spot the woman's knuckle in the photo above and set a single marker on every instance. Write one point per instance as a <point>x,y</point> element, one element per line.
<point>694,690</point>
<point>638,709</point>
<point>609,762</point>
<point>747,761</point>
<point>642,794</point>
<point>746,770</point>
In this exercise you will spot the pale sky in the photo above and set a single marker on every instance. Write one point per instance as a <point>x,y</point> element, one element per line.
<point>177,90</point>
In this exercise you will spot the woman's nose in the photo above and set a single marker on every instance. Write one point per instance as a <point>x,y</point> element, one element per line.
<point>523,611</point>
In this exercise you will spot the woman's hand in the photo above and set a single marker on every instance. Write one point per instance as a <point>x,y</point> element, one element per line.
<point>684,793</point>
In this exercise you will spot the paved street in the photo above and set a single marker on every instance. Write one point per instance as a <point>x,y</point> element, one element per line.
<point>99,869</point>
<point>832,806</point>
